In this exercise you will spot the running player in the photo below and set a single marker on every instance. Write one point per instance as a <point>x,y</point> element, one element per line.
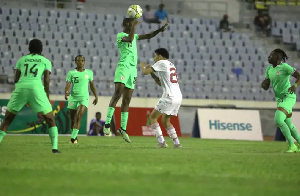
<point>29,89</point>
<point>126,73</point>
<point>169,104</point>
<point>80,78</point>
<point>278,74</point>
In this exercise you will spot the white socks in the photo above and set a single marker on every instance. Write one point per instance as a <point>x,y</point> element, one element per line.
<point>158,133</point>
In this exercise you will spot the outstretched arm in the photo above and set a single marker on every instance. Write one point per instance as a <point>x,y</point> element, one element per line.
<point>148,70</point>
<point>154,33</point>
<point>93,89</point>
<point>132,31</point>
<point>265,84</point>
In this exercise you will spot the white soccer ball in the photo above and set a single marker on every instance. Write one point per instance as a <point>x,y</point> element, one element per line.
<point>134,11</point>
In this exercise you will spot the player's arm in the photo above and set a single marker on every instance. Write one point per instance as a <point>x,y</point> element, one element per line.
<point>146,69</point>
<point>154,33</point>
<point>265,84</point>
<point>47,82</point>
<point>68,84</point>
<point>93,89</point>
<point>297,83</point>
<point>17,75</point>
<point>132,32</point>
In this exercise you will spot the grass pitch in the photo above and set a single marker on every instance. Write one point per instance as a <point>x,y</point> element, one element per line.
<point>109,166</point>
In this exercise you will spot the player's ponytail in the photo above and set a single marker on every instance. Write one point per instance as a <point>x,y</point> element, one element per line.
<point>282,53</point>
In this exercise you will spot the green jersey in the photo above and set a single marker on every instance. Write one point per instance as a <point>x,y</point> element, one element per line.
<point>32,67</point>
<point>80,83</point>
<point>128,51</point>
<point>280,78</point>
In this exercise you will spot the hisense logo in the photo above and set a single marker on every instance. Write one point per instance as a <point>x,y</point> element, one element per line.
<point>217,125</point>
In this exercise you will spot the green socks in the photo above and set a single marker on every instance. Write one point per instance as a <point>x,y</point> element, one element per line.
<point>110,113</point>
<point>293,129</point>
<point>74,133</point>
<point>2,134</point>
<point>53,133</point>
<point>124,119</point>
<point>280,121</point>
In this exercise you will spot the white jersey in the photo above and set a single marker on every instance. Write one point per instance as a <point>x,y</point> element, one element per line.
<point>166,72</point>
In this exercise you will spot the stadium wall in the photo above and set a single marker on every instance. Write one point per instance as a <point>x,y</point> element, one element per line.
<point>188,109</point>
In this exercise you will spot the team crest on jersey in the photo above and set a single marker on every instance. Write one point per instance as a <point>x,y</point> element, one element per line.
<point>86,76</point>
<point>278,73</point>
<point>122,77</point>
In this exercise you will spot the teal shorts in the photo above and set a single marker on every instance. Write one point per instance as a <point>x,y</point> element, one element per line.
<point>73,104</point>
<point>37,99</point>
<point>287,102</point>
<point>126,75</point>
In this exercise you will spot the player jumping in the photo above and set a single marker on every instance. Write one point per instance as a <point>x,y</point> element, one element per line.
<point>126,73</point>
<point>80,78</point>
<point>278,74</point>
<point>29,89</point>
<point>169,104</point>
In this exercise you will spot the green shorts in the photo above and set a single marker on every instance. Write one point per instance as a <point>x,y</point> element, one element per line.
<point>37,99</point>
<point>126,75</point>
<point>287,102</point>
<point>73,104</point>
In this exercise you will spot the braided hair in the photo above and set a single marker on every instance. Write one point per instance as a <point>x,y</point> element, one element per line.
<point>35,46</point>
<point>282,53</point>
<point>80,55</point>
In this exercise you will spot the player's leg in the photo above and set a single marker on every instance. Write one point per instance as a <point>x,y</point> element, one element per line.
<point>119,88</point>
<point>127,94</point>
<point>17,100</point>
<point>74,135</point>
<point>293,129</point>
<point>8,118</point>
<point>171,130</point>
<point>81,109</point>
<point>39,103</point>
<point>280,117</point>
<point>53,132</point>
<point>154,116</point>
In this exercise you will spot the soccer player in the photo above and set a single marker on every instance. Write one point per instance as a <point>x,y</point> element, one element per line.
<point>169,104</point>
<point>80,78</point>
<point>126,73</point>
<point>29,89</point>
<point>278,74</point>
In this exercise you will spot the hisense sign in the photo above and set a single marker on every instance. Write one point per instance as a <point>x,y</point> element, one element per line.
<point>229,124</point>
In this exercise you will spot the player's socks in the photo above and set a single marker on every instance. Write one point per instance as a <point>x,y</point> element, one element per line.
<point>53,133</point>
<point>158,133</point>
<point>109,115</point>
<point>124,119</point>
<point>279,119</point>
<point>2,134</point>
<point>293,129</point>
<point>74,133</point>
<point>172,133</point>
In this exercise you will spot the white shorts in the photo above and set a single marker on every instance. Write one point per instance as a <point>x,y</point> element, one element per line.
<point>168,106</point>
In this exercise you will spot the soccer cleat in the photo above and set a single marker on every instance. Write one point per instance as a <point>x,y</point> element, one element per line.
<point>162,145</point>
<point>55,151</point>
<point>293,148</point>
<point>177,146</point>
<point>74,141</point>
<point>124,135</point>
<point>106,131</point>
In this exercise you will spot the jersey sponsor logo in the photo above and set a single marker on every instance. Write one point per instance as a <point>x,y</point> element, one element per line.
<point>278,73</point>
<point>86,76</point>
<point>122,77</point>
